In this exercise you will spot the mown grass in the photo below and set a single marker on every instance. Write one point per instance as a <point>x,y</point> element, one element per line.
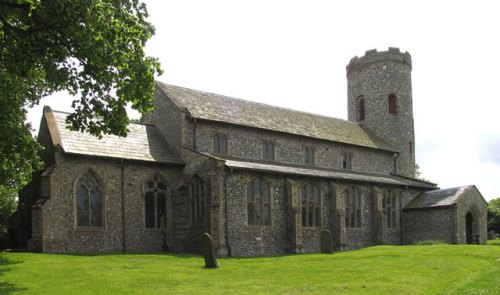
<point>436,269</point>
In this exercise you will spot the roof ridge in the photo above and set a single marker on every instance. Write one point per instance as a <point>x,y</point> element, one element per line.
<point>259,103</point>
<point>68,113</point>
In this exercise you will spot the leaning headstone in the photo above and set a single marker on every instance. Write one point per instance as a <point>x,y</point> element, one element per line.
<point>491,235</point>
<point>209,251</point>
<point>326,242</point>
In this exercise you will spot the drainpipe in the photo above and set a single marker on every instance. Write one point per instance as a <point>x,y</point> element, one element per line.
<point>400,209</point>
<point>225,215</point>
<point>194,134</point>
<point>396,156</point>
<point>124,246</point>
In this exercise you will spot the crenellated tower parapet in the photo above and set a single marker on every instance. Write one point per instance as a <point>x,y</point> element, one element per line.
<point>373,56</point>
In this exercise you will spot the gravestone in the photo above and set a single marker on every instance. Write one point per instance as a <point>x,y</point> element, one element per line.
<point>326,242</point>
<point>209,251</point>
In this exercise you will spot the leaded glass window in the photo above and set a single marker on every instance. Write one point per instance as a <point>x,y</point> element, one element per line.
<point>220,144</point>
<point>311,205</point>
<point>198,200</point>
<point>309,158</point>
<point>389,206</point>
<point>352,199</point>
<point>258,202</point>
<point>155,203</point>
<point>89,201</point>
<point>268,150</point>
<point>347,161</point>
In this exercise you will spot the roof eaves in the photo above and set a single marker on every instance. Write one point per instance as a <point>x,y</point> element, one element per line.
<point>390,150</point>
<point>175,163</point>
<point>384,179</point>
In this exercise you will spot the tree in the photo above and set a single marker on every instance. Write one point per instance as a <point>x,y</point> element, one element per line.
<point>92,49</point>
<point>494,215</point>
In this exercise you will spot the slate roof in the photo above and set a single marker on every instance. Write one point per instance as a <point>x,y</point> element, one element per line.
<point>327,173</point>
<point>438,198</point>
<point>220,108</point>
<point>143,142</point>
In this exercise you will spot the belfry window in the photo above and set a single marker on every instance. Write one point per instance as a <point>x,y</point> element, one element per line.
<point>389,206</point>
<point>392,104</point>
<point>258,202</point>
<point>89,201</point>
<point>197,199</point>
<point>220,144</point>
<point>352,199</point>
<point>311,205</point>
<point>155,203</point>
<point>361,108</point>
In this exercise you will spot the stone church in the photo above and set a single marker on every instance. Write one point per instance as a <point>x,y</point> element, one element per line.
<point>262,180</point>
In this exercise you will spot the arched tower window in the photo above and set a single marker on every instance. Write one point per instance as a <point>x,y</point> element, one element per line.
<point>258,202</point>
<point>361,108</point>
<point>89,201</point>
<point>197,199</point>
<point>392,103</point>
<point>155,202</point>
<point>311,205</point>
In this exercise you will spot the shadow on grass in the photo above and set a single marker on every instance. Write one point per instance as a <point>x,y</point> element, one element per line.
<point>176,255</point>
<point>6,287</point>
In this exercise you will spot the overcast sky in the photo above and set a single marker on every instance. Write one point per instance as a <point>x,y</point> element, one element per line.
<point>293,54</point>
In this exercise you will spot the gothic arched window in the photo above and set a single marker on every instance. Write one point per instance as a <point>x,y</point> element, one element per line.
<point>155,202</point>
<point>352,199</point>
<point>258,202</point>
<point>389,205</point>
<point>361,108</point>
<point>392,104</point>
<point>89,201</point>
<point>311,205</point>
<point>198,199</point>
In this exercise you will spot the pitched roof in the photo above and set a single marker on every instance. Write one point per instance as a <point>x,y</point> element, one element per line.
<point>438,198</point>
<point>215,107</point>
<point>143,142</point>
<point>327,173</point>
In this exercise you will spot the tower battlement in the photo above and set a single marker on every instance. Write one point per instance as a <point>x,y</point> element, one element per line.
<point>374,56</point>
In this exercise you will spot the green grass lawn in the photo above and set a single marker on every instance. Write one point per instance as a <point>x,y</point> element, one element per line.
<point>438,269</point>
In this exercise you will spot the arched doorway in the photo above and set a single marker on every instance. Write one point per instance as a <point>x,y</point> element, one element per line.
<point>471,233</point>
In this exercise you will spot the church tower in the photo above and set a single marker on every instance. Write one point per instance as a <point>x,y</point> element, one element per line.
<point>379,98</point>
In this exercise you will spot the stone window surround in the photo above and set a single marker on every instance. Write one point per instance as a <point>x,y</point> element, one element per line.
<point>392,104</point>
<point>167,203</point>
<point>347,160</point>
<point>89,171</point>
<point>265,181</point>
<point>315,207</point>
<point>390,197</point>
<point>220,144</point>
<point>309,155</point>
<point>360,105</point>
<point>353,201</point>
<point>197,216</point>
<point>269,145</point>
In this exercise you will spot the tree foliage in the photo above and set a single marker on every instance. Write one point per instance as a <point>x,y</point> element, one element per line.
<point>92,49</point>
<point>494,215</point>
